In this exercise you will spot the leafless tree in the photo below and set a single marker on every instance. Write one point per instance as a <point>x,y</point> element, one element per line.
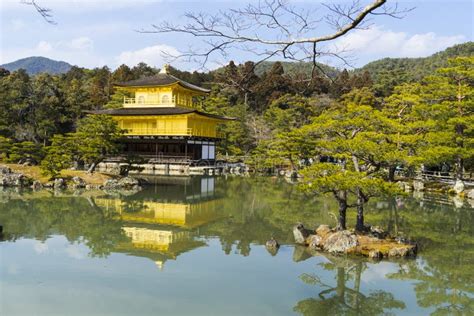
<point>44,12</point>
<point>275,28</point>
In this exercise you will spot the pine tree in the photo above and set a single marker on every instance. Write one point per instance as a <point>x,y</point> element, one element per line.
<point>96,138</point>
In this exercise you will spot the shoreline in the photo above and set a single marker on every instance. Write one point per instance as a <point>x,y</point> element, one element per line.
<point>30,176</point>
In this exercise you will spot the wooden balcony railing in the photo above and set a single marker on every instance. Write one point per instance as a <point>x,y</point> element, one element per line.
<point>156,102</point>
<point>170,132</point>
<point>160,131</point>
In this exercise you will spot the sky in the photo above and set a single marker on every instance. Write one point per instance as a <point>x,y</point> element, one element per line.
<point>94,33</point>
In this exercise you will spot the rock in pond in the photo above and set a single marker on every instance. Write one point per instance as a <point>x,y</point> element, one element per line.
<point>459,187</point>
<point>78,183</point>
<point>300,233</point>
<point>272,244</point>
<point>59,184</point>
<point>323,230</point>
<point>36,185</point>
<point>315,242</point>
<point>402,252</point>
<point>470,194</point>
<point>8,178</point>
<point>124,183</point>
<point>340,242</point>
<point>375,254</point>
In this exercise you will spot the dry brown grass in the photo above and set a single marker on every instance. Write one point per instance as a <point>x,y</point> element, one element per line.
<point>368,244</point>
<point>34,172</point>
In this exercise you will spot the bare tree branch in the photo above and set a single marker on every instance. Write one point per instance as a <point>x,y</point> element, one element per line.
<point>44,12</point>
<point>273,28</point>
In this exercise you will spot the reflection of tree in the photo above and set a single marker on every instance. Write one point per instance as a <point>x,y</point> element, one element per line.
<point>444,273</point>
<point>259,208</point>
<point>444,284</point>
<point>342,299</point>
<point>75,218</point>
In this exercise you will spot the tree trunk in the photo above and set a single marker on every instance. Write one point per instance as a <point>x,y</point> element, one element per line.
<point>360,211</point>
<point>391,173</point>
<point>460,144</point>
<point>92,167</point>
<point>358,272</point>
<point>459,167</point>
<point>341,284</point>
<point>341,197</point>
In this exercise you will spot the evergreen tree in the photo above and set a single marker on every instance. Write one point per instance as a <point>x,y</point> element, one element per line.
<point>96,138</point>
<point>59,156</point>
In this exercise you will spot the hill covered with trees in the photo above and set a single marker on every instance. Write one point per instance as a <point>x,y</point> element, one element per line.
<point>36,64</point>
<point>388,72</point>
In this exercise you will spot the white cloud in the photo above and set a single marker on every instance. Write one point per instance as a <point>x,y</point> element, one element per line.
<point>76,251</point>
<point>388,43</point>
<point>17,24</point>
<point>44,47</point>
<point>40,247</point>
<point>81,43</point>
<point>152,55</point>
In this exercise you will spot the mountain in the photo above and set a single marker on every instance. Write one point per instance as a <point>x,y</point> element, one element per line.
<point>389,72</point>
<point>36,64</point>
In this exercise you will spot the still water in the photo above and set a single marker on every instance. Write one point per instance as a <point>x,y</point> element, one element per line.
<point>195,246</point>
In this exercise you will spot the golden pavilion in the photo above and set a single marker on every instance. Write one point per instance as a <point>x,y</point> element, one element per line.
<point>162,120</point>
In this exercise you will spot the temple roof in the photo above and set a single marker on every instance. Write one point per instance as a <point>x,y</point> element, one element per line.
<point>135,111</point>
<point>161,79</point>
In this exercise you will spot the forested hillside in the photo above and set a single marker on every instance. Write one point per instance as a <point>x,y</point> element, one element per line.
<point>297,68</point>
<point>389,72</point>
<point>36,65</point>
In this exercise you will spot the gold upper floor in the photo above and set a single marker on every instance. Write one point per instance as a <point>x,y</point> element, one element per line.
<point>191,124</point>
<point>169,96</point>
<point>161,90</point>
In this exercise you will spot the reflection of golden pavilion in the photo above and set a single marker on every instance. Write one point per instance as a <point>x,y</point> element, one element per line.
<point>158,245</point>
<point>187,215</point>
<point>183,203</point>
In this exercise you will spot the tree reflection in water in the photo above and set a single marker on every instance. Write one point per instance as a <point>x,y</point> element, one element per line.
<point>444,271</point>
<point>341,298</point>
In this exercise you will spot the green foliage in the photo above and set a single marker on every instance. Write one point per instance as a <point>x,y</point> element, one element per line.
<point>23,151</point>
<point>59,156</point>
<point>292,111</point>
<point>96,138</point>
<point>439,110</point>
<point>116,101</point>
<point>5,147</point>
<point>390,72</point>
<point>296,68</point>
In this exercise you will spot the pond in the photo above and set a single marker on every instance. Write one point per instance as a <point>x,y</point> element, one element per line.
<point>196,246</point>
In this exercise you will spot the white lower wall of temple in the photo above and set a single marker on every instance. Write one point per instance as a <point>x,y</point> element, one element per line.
<point>159,169</point>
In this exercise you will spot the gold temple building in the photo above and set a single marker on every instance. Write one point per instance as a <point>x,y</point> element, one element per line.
<point>162,120</point>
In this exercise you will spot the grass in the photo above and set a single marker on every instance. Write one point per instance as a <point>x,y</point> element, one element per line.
<point>34,172</point>
<point>368,244</point>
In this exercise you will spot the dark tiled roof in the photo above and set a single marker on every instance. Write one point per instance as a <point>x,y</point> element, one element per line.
<point>160,79</point>
<point>156,111</point>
